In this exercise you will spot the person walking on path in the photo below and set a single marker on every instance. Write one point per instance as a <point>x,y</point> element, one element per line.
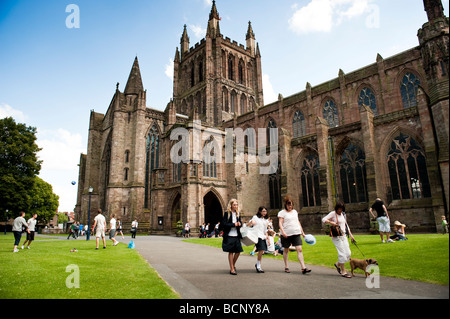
<point>17,229</point>
<point>260,222</point>
<point>232,235</point>
<point>31,227</point>
<point>100,223</point>
<point>383,220</point>
<point>119,227</point>
<point>336,219</point>
<point>112,229</point>
<point>291,231</point>
<point>73,231</point>
<point>134,226</point>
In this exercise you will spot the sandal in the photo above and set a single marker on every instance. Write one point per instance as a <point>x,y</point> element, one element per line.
<point>346,276</point>
<point>287,270</point>
<point>305,271</point>
<point>338,268</point>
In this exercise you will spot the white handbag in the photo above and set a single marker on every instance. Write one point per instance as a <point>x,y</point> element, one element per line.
<point>249,236</point>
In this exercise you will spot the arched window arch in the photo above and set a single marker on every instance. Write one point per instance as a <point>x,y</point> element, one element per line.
<point>209,159</point>
<point>330,113</point>
<point>408,89</point>
<point>200,71</point>
<point>243,104</point>
<point>272,133</point>
<point>241,72</point>
<point>151,162</point>
<point>310,182</point>
<point>230,68</point>
<point>407,169</point>
<point>298,125</point>
<point>275,188</point>
<point>192,74</point>
<point>367,97</point>
<point>352,171</point>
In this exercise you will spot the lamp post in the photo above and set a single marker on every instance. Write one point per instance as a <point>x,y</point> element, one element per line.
<point>6,220</point>
<point>91,189</point>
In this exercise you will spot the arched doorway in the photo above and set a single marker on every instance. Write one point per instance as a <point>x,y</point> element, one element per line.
<point>175,212</point>
<point>213,210</point>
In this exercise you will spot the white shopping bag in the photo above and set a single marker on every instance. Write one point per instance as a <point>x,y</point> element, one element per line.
<point>249,236</point>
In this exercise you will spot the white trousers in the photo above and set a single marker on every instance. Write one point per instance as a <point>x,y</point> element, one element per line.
<point>343,249</point>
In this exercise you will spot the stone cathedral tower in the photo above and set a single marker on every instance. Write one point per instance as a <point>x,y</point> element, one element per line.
<point>217,78</point>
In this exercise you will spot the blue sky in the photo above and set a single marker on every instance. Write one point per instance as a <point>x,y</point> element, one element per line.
<point>51,76</point>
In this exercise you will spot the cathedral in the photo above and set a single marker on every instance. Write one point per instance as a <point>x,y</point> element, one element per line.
<point>380,131</point>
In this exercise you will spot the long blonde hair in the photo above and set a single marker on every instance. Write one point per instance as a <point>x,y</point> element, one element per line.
<point>230,203</point>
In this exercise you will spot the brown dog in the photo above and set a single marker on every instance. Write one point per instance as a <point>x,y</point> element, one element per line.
<point>362,264</point>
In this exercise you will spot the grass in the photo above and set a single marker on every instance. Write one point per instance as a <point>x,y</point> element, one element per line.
<point>112,273</point>
<point>421,258</point>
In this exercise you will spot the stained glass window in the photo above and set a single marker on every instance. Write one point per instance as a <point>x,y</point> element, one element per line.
<point>330,113</point>
<point>298,125</point>
<point>275,188</point>
<point>367,98</point>
<point>152,161</point>
<point>310,181</point>
<point>407,169</point>
<point>352,170</point>
<point>408,89</point>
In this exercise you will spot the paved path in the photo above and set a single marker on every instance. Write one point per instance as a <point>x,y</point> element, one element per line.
<point>201,272</point>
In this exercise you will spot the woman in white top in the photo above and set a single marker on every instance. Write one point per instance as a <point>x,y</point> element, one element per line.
<point>290,231</point>
<point>260,222</point>
<point>337,218</point>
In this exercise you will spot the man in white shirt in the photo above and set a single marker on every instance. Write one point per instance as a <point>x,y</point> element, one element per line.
<point>112,230</point>
<point>100,223</point>
<point>31,227</point>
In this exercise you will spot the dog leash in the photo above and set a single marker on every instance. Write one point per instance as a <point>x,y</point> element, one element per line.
<point>354,243</point>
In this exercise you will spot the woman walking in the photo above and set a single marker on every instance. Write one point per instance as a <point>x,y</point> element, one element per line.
<point>338,221</point>
<point>290,231</point>
<point>260,222</point>
<point>231,234</point>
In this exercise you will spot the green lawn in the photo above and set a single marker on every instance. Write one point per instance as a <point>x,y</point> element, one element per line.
<point>111,273</point>
<point>422,257</point>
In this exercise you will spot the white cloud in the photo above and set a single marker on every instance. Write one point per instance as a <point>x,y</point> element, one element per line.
<point>7,111</point>
<point>60,154</point>
<point>208,3</point>
<point>60,149</point>
<point>198,31</point>
<point>323,15</point>
<point>269,93</point>
<point>169,69</point>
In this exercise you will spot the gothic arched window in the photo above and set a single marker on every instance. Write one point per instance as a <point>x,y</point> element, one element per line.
<point>151,161</point>
<point>408,88</point>
<point>272,133</point>
<point>298,125</point>
<point>407,169</point>
<point>209,159</point>
<point>309,179</point>
<point>275,188</point>
<point>367,98</point>
<point>230,68</point>
<point>330,113</point>
<point>352,170</point>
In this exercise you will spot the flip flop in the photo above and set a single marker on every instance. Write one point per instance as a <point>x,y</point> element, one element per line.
<point>346,276</point>
<point>287,270</point>
<point>337,268</point>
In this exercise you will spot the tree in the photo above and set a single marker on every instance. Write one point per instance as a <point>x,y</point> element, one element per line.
<point>43,201</point>
<point>18,165</point>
